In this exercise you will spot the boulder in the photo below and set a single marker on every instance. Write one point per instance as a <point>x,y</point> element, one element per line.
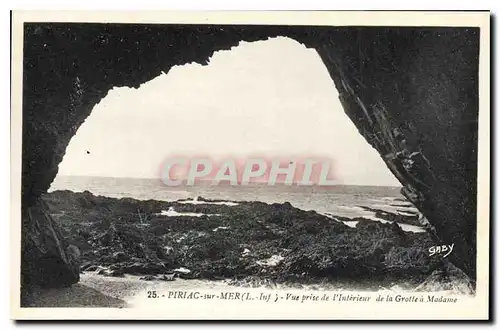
<point>140,268</point>
<point>148,278</point>
<point>45,258</point>
<point>448,278</point>
<point>167,277</point>
<point>91,268</point>
<point>119,256</point>
<point>116,273</point>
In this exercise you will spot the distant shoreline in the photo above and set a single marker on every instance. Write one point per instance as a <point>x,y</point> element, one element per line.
<point>278,184</point>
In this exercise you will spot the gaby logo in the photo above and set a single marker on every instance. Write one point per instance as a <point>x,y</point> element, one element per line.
<point>302,171</point>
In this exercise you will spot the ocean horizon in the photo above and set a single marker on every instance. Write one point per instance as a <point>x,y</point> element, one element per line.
<point>342,200</point>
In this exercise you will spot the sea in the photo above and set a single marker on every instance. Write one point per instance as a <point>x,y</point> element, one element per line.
<point>340,200</point>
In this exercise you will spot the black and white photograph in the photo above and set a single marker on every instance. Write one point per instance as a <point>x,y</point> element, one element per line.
<point>267,165</point>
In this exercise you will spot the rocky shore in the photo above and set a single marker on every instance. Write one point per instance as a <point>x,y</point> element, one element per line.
<point>246,243</point>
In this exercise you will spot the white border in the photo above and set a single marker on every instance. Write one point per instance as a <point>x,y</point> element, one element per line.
<point>475,308</point>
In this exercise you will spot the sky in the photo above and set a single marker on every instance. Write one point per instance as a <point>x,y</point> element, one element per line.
<point>272,97</point>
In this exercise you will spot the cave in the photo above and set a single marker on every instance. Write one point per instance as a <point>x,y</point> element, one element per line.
<point>409,91</point>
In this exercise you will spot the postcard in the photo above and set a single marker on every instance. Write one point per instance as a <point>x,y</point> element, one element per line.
<point>230,165</point>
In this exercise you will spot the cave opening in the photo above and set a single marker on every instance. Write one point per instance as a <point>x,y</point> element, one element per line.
<point>365,82</point>
<point>272,97</point>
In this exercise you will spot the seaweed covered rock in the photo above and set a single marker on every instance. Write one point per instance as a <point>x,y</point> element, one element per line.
<point>252,239</point>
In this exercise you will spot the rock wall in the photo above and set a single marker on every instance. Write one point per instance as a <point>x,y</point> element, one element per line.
<point>412,93</point>
<point>47,258</point>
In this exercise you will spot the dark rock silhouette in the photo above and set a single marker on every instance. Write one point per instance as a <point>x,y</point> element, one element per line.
<point>448,278</point>
<point>47,262</point>
<point>411,92</point>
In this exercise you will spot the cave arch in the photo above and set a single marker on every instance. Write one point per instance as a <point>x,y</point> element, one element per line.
<point>395,84</point>
<point>242,115</point>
